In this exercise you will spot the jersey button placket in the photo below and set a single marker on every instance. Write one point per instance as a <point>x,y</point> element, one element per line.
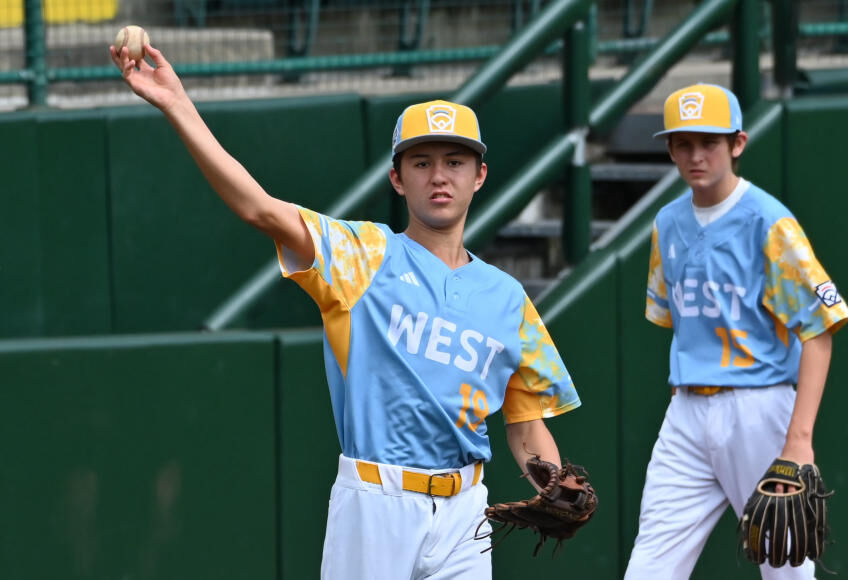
<point>698,249</point>
<point>454,291</point>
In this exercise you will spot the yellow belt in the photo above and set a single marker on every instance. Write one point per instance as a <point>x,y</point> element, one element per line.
<point>442,484</point>
<point>705,391</point>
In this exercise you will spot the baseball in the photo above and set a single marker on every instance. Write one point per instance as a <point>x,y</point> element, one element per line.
<point>134,38</point>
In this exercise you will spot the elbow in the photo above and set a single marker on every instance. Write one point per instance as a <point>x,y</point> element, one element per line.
<point>260,218</point>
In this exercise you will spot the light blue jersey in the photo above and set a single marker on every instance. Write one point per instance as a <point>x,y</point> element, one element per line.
<point>741,293</point>
<point>418,355</point>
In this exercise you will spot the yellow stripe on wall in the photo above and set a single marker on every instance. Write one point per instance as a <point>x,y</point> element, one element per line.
<point>59,11</point>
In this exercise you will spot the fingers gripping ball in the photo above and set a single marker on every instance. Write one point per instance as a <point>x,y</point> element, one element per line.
<point>565,503</point>
<point>134,38</point>
<point>790,525</point>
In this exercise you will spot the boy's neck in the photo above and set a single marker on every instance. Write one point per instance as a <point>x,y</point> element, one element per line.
<point>715,194</point>
<point>447,247</point>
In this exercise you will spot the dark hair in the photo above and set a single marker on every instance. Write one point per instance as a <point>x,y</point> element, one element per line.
<point>397,159</point>
<point>731,141</point>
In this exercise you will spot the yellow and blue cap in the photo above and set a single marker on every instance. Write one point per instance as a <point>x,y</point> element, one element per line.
<point>701,108</point>
<point>439,121</point>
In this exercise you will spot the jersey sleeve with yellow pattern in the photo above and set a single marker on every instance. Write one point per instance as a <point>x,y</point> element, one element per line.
<point>347,257</point>
<point>541,387</point>
<point>656,306</point>
<point>798,291</point>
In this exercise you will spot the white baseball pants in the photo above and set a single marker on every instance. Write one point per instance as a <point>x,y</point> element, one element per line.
<point>382,532</point>
<point>711,450</point>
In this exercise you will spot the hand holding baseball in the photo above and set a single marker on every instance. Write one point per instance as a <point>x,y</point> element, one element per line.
<point>159,84</point>
<point>135,38</point>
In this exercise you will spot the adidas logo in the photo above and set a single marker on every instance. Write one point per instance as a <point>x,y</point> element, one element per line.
<point>410,278</point>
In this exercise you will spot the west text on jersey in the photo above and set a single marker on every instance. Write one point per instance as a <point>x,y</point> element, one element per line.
<point>690,302</point>
<point>441,335</point>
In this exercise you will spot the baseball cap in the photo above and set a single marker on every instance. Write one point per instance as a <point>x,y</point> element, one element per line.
<point>702,108</point>
<point>439,121</point>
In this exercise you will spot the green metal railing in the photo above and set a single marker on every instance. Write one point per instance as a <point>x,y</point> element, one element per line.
<point>549,163</point>
<point>37,75</point>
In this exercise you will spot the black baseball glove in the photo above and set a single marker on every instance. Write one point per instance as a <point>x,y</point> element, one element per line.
<point>790,525</point>
<point>564,504</point>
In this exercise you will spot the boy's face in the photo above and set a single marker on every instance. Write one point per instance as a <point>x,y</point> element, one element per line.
<point>705,159</point>
<point>438,181</point>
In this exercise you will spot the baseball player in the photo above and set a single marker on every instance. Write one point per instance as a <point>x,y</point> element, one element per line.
<point>423,341</point>
<point>752,312</point>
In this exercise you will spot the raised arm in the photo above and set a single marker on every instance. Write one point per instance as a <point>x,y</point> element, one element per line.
<point>160,86</point>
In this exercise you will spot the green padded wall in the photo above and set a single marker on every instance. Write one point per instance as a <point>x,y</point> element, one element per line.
<point>178,250</point>
<point>54,254</point>
<point>74,225</point>
<point>138,457</point>
<point>20,242</point>
<point>309,448</point>
<point>816,193</point>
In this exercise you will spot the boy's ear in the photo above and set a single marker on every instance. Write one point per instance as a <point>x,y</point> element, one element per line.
<point>394,177</point>
<point>481,177</point>
<point>739,144</point>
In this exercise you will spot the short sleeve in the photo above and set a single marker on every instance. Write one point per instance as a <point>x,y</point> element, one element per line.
<point>656,303</point>
<point>798,291</point>
<point>347,256</point>
<point>541,387</point>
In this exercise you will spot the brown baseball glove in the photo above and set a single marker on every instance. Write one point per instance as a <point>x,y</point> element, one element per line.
<point>565,502</point>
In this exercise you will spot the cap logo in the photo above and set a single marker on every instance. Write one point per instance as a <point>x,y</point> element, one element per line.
<point>441,119</point>
<point>691,106</point>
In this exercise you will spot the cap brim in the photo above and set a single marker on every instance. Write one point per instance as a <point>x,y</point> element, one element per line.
<point>697,129</point>
<point>412,141</point>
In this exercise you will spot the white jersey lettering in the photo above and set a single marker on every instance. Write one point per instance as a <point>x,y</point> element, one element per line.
<point>471,362</point>
<point>494,348</point>
<point>400,325</point>
<point>736,292</point>
<point>687,301</point>
<point>440,339</point>
<point>709,289</point>
<point>681,297</point>
<point>436,338</point>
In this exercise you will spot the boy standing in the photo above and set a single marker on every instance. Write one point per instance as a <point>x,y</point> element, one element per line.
<point>423,341</point>
<point>752,311</point>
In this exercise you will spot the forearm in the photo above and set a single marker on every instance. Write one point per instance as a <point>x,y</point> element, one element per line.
<point>224,173</point>
<point>160,86</point>
<point>812,376</point>
<point>530,438</point>
<point>234,184</point>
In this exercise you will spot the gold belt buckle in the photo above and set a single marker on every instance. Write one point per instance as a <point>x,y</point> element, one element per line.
<point>452,476</point>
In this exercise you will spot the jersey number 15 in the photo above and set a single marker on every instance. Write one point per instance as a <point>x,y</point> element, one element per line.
<point>733,338</point>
